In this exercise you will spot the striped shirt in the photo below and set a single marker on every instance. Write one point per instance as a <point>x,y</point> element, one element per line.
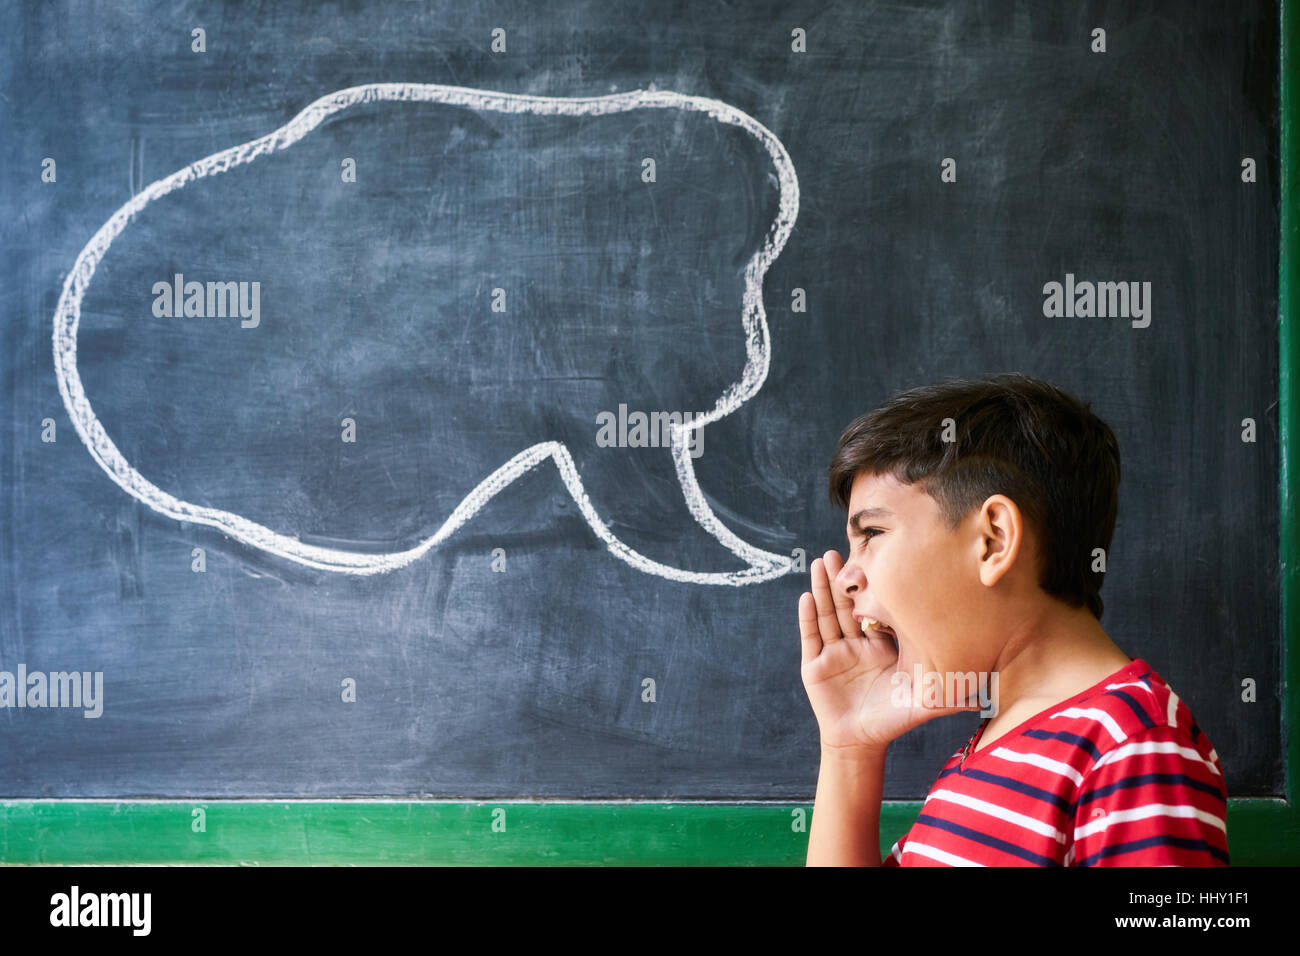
<point>1118,775</point>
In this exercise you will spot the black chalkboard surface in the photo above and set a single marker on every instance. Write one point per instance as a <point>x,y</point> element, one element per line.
<point>346,493</point>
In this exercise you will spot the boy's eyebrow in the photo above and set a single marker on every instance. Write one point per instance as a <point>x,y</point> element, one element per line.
<point>869,513</point>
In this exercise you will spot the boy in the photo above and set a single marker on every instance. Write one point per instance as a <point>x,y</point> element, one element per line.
<point>977,509</point>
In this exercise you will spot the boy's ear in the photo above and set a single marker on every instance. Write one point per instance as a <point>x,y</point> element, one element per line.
<point>1001,533</point>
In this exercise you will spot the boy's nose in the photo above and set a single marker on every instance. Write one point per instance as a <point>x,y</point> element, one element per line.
<point>848,580</point>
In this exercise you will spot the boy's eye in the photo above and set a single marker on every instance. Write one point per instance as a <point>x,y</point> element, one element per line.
<point>868,534</point>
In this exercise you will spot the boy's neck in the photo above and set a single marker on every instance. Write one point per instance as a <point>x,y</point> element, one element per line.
<point>1058,655</point>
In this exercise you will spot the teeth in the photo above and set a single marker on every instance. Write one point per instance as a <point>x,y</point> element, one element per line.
<point>871,624</point>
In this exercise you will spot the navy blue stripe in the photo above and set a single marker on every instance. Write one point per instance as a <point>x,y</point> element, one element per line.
<point>1079,741</point>
<point>1138,780</point>
<point>1133,706</point>
<point>1184,843</point>
<point>1018,786</point>
<point>986,840</point>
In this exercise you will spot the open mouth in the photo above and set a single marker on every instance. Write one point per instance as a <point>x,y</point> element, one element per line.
<point>870,627</point>
<point>871,624</point>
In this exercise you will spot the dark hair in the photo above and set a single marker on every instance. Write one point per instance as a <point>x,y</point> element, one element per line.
<point>1015,435</point>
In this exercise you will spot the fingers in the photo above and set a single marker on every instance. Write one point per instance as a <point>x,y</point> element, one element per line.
<point>810,637</point>
<point>828,622</point>
<point>843,603</point>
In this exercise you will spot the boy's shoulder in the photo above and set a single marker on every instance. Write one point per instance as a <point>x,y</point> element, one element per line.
<point>1102,723</point>
<point>1135,702</point>
<point>1155,793</point>
<point>1118,723</point>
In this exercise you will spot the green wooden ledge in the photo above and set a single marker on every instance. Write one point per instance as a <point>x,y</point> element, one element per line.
<point>392,832</point>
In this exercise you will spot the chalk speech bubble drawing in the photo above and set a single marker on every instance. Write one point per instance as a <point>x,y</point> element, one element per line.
<point>761,565</point>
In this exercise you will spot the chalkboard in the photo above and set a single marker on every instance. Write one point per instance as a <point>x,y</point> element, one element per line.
<point>328,332</point>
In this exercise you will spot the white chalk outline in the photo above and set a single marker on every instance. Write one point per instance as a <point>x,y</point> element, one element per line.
<point>763,565</point>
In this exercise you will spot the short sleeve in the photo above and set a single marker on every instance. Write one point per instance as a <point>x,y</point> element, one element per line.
<point>1156,800</point>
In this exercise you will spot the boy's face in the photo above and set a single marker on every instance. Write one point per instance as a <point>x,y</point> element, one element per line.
<point>907,570</point>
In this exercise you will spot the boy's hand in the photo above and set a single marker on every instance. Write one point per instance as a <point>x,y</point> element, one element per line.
<point>847,675</point>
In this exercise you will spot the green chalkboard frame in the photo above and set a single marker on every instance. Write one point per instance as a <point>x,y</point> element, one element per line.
<point>1263,832</point>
